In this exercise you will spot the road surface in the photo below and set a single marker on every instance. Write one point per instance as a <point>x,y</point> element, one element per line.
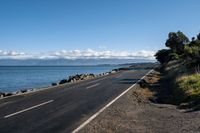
<point>62,108</point>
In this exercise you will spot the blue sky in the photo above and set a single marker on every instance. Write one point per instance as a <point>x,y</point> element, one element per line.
<point>113,25</point>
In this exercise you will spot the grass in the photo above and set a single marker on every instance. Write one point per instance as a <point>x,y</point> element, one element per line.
<point>188,87</point>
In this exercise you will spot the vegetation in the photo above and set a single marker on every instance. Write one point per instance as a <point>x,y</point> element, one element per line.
<point>190,85</point>
<point>180,59</point>
<point>163,56</point>
<point>176,41</point>
<point>187,88</point>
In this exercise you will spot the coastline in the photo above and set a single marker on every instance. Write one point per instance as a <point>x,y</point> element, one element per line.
<point>4,95</point>
<point>73,79</point>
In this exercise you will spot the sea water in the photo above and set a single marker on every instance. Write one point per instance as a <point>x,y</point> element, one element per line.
<point>13,78</point>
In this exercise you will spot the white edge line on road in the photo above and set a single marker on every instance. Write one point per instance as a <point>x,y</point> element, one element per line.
<point>110,103</point>
<point>92,86</point>
<point>28,109</point>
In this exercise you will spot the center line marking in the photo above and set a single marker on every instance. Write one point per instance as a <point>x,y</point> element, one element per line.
<point>92,86</point>
<point>28,109</point>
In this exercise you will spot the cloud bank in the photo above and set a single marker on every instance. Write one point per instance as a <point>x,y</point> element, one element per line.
<point>78,54</point>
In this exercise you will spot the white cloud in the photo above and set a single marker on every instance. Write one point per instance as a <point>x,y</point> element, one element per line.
<point>78,54</point>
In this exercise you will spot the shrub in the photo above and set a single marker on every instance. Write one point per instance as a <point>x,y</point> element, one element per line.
<point>189,87</point>
<point>174,56</point>
<point>192,51</point>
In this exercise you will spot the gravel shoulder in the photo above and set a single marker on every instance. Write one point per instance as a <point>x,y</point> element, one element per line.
<point>135,112</point>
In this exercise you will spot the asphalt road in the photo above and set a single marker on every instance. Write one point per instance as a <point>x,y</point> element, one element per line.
<point>62,108</point>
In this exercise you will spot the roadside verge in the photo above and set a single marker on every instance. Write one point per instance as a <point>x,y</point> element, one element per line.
<point>135,112</point>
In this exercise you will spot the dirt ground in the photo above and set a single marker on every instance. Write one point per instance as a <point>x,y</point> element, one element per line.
<point>136,113</point>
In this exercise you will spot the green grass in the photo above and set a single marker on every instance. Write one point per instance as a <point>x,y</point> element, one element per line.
<point>189,87</point>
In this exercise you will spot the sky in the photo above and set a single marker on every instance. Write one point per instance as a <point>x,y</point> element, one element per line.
<point>105,28</point>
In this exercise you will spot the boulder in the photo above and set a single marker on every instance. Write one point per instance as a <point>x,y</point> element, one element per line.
<point>8,94</point>
<point>74,79</point>
<point>115,70</point>
<point>2,94</point>
<point>124,69</point>
<point>23,91</point>
<point>54,84</point>
<point>91,75</point>
<point>106,73</point>
<point>63,81</point>
<point>77,77</point>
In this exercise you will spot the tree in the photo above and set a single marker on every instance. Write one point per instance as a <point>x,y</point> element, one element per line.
<point>195,42</point>
<point>176,41</point>
<point>198,36</point>
<point>163,56</point>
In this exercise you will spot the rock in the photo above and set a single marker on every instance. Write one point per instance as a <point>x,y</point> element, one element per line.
<point>106,73</point>
<point>124,69</point>
<point>54,84</point>
<point>70,80</point>
<point>23,91</point>
<point>143,83</point>
<point>115,70</point>
<point>74,79</point>
<point>8,94</point>
<point>91,75</point>
<point>63,81</point>
<point>78,77</point>
<point>2,94</point>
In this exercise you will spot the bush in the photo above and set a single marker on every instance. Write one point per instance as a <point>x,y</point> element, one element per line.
<point>174,56</point>
<point>188,87</point>
<point>192,52</point>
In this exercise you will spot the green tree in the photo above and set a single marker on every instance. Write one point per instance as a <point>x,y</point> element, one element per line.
<point>198,36</point>
<point>163,56</point>
<point>176,41</point>
<point>195,42</point>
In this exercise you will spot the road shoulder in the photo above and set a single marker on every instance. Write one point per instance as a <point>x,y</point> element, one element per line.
<point>134,112</point>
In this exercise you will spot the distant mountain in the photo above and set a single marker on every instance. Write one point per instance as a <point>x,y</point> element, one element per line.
<point>67,62</point>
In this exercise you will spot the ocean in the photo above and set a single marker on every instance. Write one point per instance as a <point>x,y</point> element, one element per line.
<point>13,78</point>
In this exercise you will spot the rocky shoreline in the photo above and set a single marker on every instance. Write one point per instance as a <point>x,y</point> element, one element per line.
<point>80,77</point>
<point>70,79</point>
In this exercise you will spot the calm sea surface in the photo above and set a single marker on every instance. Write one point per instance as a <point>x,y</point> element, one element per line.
<point>17,78</point>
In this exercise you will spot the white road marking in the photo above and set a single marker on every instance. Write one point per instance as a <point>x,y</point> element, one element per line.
<point>110,103</point>
<point>28,109</point>
<point>92,86</point>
